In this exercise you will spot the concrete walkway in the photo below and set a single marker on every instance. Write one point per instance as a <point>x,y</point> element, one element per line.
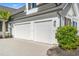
<point>19,47</point>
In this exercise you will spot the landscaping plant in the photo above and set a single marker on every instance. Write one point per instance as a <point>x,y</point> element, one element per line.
<point>4,17</point>
<point>77,42</point>
<point>66,37</point>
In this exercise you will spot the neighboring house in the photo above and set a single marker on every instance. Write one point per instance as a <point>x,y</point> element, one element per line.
<point>40,21</point>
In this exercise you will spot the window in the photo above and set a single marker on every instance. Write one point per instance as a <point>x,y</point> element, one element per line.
<point>74,24</point>
<point>31,5</point>
<point>67,21</point>
<point>54,23</point>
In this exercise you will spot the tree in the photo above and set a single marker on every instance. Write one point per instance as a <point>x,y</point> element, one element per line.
<point>4,17</point>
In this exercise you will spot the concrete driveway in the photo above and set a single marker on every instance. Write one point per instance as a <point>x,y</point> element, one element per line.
<point>20,47</point>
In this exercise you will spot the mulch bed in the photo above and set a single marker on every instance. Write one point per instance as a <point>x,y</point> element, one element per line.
<point>57,51</point>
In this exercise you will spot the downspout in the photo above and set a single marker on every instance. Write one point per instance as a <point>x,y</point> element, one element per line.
<point>60,16</point>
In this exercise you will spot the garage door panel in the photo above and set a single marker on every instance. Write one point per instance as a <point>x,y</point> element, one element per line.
<point>23,31</point>
<point>43,31</point>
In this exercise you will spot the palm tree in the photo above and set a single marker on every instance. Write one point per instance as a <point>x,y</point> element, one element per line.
<point>4,17</point>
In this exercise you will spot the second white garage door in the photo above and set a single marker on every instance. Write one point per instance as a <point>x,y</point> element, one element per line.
<point>43,31</point>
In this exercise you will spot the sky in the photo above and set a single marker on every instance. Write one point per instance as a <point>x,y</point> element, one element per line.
<point>13,5</point>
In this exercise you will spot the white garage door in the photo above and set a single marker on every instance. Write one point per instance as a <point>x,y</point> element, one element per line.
<point>22,31</point>
<point>38,30</point>
<point>43,31</point>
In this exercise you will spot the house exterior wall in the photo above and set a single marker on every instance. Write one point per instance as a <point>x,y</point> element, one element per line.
<point>42,16</point>
<point>77,21</point>
<point>41,28</point>
<point>38,30</point>
<point>76,9</point>
<point>73,14</point>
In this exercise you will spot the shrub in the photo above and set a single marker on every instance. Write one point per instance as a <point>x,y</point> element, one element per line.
<point>66,37</point>
<point>77,40</point>
<point>8,35</point>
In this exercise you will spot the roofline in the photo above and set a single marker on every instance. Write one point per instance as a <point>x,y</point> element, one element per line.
<point>23,11</point>
<point>59,8</point>
<point>17,13</point>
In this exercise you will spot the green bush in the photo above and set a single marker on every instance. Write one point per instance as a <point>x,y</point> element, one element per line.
<point>66,37</point>
<point>77,42</point>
